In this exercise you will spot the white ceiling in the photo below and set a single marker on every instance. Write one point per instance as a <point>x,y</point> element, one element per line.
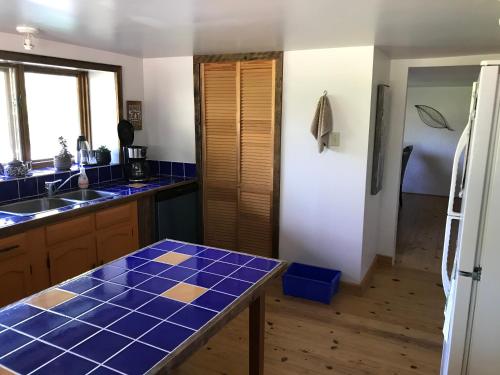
<point>443,76</point>
<point>153,28</point>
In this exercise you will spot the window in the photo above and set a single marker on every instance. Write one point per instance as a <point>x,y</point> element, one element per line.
<point>43,98</point>
<point>52,115</point>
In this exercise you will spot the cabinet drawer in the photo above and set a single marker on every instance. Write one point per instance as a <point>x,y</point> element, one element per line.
<point>69,229</point>
<point>13,245</point>
<point>115,215</point>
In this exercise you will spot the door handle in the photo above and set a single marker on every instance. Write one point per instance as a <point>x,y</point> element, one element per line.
<point>9,248</point>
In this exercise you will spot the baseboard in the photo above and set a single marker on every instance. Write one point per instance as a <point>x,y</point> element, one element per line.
<point>360,289</point>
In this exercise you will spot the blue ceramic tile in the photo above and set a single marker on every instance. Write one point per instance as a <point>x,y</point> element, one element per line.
<point>106,291</point>
<point>27,187</point>
<point>178,273</point>
<point>190,169</point>
<point>30,357</point>
<point>161,307</point>
<point>70,334</point>
<point>41,183</point>
<point>116,172</point>
<point>134,325</point>
<point>156,285</point>
<point>190,249</point>
<point>132,299</point>
<point>167,336</point>
<point>126,361</point>
<point>130,279</point>
<point>104,315</point>
<point>177,169</point>
<point>204,279</point>
<point>262,264</point>
<point>223,269</point>
<point>103,371</point>
<point>92,175</point>
<point>192,316</point>
<point>10,340</point>
<point>154,167</point>
<point>107,273</point>
<point>101,346</point>
<point>104,174</point>
<point>165,167</point>
<point>196,263</point>
<point>40,324</point>
<point>235,258</point>
<point>17,314</point>
<point>8,190</point>
<point>81,284</point>
<point>232,286</point>
<point>76,306</point>
<point>60,365</point>
<point>128,262</point>
<point>167,245</point>
<point>248,274</point>
<point>153,268</point>
<point>149,253</point>
<point>214,300</point>
<point>214,254</point>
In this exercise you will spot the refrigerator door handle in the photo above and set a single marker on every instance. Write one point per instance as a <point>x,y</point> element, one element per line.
<point>461,148</point>
<point>444,260</point>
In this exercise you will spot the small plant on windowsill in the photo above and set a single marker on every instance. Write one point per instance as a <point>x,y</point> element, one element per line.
<point>103,156</point>
<point>62,161</point>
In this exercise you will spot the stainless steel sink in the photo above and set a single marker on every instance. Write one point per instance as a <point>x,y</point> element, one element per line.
<point>85,195</point>
<point>34,206</point>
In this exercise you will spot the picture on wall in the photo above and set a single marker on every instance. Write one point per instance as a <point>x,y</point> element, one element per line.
<point>134,113</point>
<point>380,137</point>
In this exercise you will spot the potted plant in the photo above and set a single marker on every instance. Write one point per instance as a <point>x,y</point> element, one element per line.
<point>62,161</point>
<point>103,156</point>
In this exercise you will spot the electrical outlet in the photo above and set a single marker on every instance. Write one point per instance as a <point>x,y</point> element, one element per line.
<point>334,139</point>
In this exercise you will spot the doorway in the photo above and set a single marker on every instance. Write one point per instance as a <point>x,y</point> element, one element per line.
<point>437,111</point>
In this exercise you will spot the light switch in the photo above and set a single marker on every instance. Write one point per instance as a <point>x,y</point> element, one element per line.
<point>334,139</point>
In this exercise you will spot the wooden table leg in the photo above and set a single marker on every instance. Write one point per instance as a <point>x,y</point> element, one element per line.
<point>256,334</point>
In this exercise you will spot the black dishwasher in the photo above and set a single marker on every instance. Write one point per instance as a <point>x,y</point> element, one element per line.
<point>177,214</point>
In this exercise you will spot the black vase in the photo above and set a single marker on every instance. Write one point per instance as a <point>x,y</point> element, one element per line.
<point>103,157</point>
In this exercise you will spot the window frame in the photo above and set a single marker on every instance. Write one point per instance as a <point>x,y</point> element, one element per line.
<point>29,63</point>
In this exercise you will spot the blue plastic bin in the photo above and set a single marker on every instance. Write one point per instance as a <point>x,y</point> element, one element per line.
<point>310,282</point>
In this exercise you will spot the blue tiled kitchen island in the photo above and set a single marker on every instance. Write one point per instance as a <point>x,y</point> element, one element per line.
<point>143,313</point>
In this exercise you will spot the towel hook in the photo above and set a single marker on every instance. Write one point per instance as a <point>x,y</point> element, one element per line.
<point>325,93</point>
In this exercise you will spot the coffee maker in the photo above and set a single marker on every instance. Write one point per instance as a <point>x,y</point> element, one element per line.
<point>136,164</point>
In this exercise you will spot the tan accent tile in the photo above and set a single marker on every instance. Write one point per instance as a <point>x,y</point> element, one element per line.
<point>51,298</point>
<point>4,371</point>
<point>172,258</point>
<point>137,185</point>
<point>184,292</point>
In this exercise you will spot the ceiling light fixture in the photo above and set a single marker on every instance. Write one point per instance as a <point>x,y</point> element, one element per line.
<point>28,32</point>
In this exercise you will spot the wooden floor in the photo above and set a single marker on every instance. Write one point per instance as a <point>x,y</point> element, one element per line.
<point>421,225</point>
<point>394,328</point>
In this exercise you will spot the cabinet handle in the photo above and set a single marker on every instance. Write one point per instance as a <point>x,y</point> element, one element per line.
<point>8,248</point>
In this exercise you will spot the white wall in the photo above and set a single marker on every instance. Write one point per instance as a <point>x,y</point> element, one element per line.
<point>429,166</point>
<point>322,195</point>
<point>392,170</point>
<point>132,66</point>
<point>381,66</point>
<point>169,109</point>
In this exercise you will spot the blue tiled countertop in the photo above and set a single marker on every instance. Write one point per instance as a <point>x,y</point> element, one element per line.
<point>123,189</point>
<point>131,316</point>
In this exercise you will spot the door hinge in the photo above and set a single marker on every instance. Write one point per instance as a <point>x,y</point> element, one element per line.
<point>31,269</point>
<point>475,274</point>
<point>48,262</point>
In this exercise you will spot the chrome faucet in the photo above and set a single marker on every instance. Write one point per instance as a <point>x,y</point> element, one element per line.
<point>51,185</point>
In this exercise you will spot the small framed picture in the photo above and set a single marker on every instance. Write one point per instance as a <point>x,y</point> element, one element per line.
<point>134,113</point>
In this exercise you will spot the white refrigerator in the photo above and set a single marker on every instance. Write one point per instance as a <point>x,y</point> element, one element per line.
<point>471,329</point>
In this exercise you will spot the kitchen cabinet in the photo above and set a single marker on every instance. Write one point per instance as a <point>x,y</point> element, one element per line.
<point>15,272</point>
<point>51,254</point>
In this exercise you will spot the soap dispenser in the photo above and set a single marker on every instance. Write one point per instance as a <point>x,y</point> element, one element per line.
<point>83,181</point>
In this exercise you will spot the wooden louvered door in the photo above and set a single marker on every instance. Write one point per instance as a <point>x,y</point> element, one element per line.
<point>220,154</point>
<point>237,110</point>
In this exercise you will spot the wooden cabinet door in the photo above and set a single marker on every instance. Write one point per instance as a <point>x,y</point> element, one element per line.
<point>15,275</point>
<point>116,241</point>
<point>72,258</point>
